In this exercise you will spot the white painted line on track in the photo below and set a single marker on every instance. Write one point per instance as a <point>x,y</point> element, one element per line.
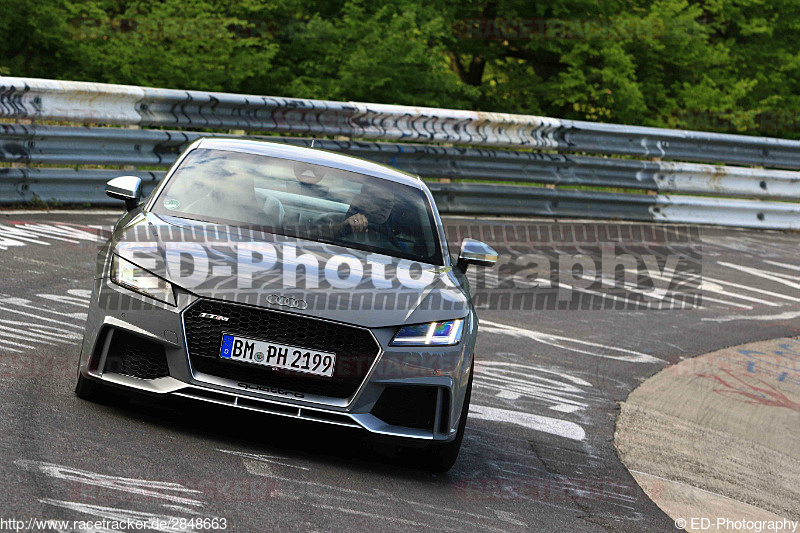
<point>558,341</point>
<point>15,343</point>
<point>772,276</point>
<point>171,492</point>
<point>120,515</point>
<point>360,500</point>
<point>750,288</point>
<point>263,458</point>
<point>789,315</point>
<point>546,424</point>
<point>782,265</point>
<point>39,317</point>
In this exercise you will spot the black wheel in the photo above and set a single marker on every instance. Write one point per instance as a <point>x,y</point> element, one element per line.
<point>87,389</point>
<point>442,457</point>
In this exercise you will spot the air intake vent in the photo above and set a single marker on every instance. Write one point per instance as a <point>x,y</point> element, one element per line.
<point>135,356</point>
<point>407,406</point>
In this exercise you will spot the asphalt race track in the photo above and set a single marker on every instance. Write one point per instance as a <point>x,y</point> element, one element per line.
<point>538,454</point>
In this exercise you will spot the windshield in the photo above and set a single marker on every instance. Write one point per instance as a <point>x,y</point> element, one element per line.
<point>303,200</point>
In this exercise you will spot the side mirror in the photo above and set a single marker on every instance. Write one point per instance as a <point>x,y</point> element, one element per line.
<point>475,253</point>
<point>127,189</point>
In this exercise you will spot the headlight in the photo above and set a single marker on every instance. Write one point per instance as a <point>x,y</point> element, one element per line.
<point>435,333</point>
<point>137,279</point>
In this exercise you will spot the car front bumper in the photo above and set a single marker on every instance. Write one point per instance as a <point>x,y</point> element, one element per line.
<point>443,372</point>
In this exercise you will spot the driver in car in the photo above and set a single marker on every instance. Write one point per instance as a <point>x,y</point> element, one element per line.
<point>368,219</point>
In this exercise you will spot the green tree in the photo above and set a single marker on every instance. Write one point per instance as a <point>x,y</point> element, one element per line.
<point>729,65</point>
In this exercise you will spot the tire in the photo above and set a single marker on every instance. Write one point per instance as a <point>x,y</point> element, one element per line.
<point>442,457</point>
<point>89,390</point>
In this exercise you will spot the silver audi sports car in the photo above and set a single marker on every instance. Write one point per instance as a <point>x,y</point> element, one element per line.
<point>290,281</point>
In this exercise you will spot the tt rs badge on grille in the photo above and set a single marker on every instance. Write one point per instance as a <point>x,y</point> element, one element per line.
<point>288,301</point>
<point>215,317</point>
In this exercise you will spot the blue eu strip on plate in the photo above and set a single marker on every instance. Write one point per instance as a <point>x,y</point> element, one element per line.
<point>227,346</point>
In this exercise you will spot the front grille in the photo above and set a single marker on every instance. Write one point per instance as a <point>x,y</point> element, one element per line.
<point>355,348</point>
<point>134,356</point>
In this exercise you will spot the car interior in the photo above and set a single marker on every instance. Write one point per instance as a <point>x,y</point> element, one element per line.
<point>298,199</point>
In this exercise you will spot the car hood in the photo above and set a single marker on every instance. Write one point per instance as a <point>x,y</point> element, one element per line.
<point>289,274</point>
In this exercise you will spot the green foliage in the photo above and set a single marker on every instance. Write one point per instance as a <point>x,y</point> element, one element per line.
<point>39,203</point>
<point>725,65</point>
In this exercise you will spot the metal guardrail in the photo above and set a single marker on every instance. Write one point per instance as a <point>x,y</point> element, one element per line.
<point>98,103</point>
<point>481,199</point>
<point>65,185</point>
<point>116,146</point>
<point>546,156</point>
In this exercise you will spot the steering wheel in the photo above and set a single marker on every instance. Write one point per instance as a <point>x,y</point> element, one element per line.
<point>374,229</point>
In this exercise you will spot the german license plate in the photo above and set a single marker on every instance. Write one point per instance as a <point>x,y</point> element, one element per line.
<point>276,355</point>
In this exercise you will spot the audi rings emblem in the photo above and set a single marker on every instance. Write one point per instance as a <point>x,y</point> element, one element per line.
<point>287,301</point>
